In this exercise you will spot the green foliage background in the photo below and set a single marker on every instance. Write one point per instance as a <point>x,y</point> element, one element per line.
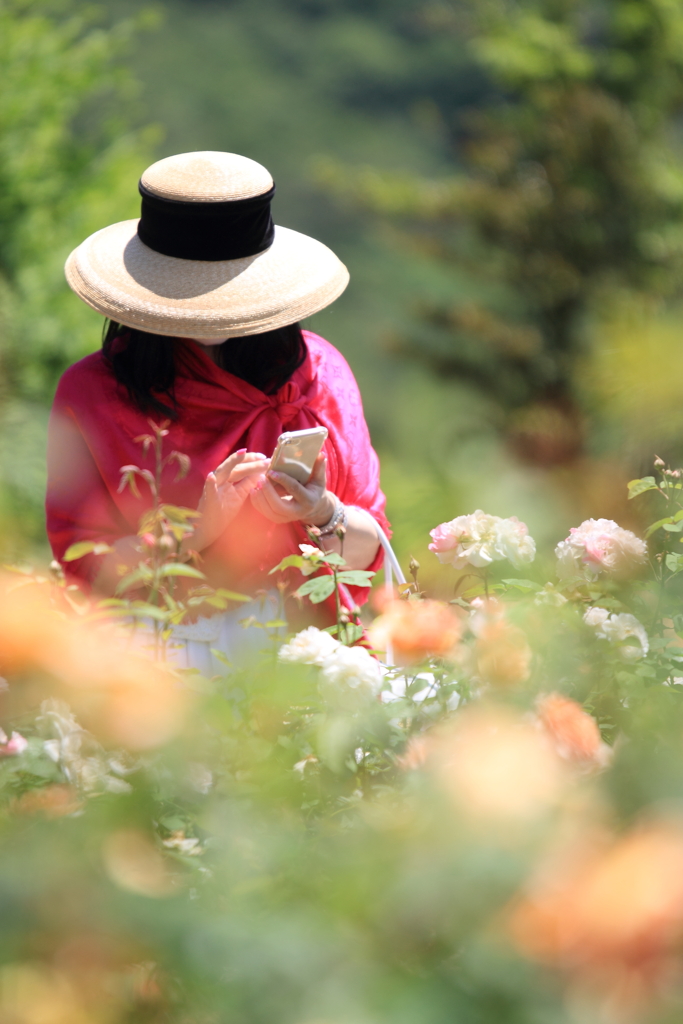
<point>417,140</point>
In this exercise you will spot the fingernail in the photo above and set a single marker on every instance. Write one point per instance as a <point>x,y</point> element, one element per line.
<point>241,451</point>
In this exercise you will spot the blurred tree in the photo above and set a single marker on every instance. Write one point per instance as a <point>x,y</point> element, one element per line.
<point>64,146</point>
<point>67,157</point>
<point>571,187</point>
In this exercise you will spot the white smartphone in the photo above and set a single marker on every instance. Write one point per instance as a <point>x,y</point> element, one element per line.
<point>297,451</point>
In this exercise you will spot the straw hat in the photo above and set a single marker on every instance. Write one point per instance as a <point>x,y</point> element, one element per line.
<point>205,260</point>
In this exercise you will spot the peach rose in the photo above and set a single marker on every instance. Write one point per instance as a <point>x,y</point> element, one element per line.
<point>610,913</point>
<point>574,733</point>
<point>416,629</point>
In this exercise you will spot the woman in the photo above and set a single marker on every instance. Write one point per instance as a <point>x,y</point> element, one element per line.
<point>203,296</point>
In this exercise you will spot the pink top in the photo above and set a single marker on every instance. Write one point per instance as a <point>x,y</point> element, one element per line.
<point>94,424</point>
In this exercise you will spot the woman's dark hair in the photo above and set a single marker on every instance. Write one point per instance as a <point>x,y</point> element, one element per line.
<point>146,363</point>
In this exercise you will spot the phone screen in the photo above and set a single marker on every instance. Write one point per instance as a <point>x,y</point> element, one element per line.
<point>297,451</point>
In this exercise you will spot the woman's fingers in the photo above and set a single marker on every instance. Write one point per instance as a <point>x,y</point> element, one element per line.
<point>241,464</point>
<point>226,467</point>
<point>291,486</point>
<point>319,475</point>
<point>248,469</point>
<point>269,503</point>
<point>247,485</point>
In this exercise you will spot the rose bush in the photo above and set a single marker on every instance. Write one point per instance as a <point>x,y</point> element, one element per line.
<point>485,829</point>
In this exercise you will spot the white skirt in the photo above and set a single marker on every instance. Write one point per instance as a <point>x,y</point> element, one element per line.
<point>221,642</point>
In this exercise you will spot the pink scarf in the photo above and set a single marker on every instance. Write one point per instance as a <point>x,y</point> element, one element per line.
<point>92,434</point>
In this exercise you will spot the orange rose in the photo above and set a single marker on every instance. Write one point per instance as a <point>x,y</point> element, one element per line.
<point>610,914</point>
<point>124,697</point>
<point>575,734</point>
<point>494,765</point>
<point>416,629</point>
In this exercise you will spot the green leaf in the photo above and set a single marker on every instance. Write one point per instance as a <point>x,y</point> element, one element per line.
<point>674,562</point>
<point>143,574</point>
<point>636,487</point>
<point>295,561</point>
<point>522,584</point>
<point>180,569</point>
<point>222,658</point>
<point>232,595</point>
<point>173,822</point>
<point>87,547</point>
<point>351,632</point>
<point>356,577</point>
<point>179,513</point>
<point>214,602</point>
<point>332,558</point>
<point>316,589</point>
<point>142,609</point>
<point>673,527</point>
<point>658,525</point>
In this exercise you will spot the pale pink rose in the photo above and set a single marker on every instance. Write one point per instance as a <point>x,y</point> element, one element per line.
<point>479,539</point>
<point>599,545</point>
<point>444,539</point>
<point>16,744</point>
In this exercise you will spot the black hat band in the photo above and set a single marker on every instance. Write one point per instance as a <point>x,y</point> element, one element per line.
<point>206,231</point>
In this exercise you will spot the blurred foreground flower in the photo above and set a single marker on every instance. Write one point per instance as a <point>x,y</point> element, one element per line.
<point>32,993</point>
<point>16,744</point>
<point>618,628</point>
<point>84,763</point>
<point>123,697</point>
<point>480,539</point>
<point>599,545</point>
<point>609,913</point>
<point>502,655</point>
<point>494,765</point>
<point>416,629</point>
<point>135,863</point>
<point>574,733</point>
<point>51,801</point>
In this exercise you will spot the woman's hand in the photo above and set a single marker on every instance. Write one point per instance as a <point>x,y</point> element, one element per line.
<point>309,503</point>
<point>225,491</point>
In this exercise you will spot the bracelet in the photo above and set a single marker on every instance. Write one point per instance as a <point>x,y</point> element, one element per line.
<point>338,521</point>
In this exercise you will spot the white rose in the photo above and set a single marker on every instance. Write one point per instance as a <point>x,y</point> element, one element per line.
<point>619,627</point>
<point>350,677</point>
<point>313,559</point>
<point>596,617</point>
<point>512,541</point>
<point>309,647</point>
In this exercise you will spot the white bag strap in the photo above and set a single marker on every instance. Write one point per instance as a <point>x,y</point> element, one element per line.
<point>392,567</point>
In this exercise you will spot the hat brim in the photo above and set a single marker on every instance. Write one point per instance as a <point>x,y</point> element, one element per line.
<point>122,278</point>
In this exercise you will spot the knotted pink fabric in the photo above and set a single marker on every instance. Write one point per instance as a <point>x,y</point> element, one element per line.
<point>94,426</point>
